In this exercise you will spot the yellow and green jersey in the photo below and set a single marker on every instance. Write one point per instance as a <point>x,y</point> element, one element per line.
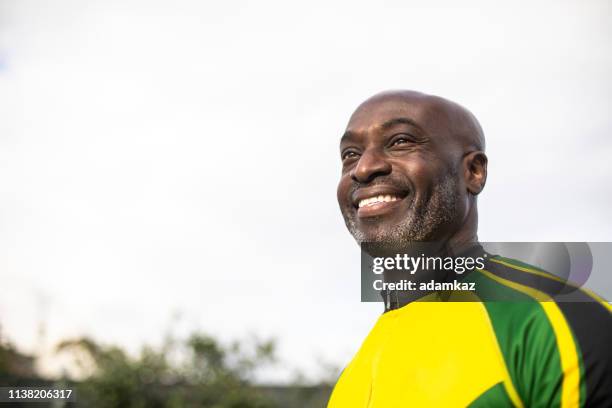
<point>513,345</point>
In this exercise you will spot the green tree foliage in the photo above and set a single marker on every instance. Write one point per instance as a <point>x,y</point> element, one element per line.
<point>196,372</point>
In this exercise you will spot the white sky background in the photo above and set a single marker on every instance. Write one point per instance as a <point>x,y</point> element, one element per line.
<point>182,157</point>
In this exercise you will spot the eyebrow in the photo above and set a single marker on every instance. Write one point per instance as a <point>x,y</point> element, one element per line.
<point>385,126</point>
<point>347,135</point>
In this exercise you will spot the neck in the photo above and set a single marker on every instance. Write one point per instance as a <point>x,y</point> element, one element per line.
<point>465,240</point>
<point>467,233</point>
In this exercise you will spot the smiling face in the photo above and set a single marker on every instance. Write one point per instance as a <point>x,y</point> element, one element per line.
<point>403,158</point>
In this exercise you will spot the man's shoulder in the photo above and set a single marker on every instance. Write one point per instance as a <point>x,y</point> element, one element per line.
<point>524,300</point>
<point>553,318</point>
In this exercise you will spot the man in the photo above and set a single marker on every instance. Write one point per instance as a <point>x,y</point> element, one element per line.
<point>412,168</point>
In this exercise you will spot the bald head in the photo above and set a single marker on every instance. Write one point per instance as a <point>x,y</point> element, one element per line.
<point>412,166</point>
<point>461,125</point>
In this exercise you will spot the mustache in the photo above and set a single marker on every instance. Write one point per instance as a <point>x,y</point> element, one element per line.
<point>398,181</point>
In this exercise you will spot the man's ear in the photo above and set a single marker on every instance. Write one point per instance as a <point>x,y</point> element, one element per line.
<point>475,171</point>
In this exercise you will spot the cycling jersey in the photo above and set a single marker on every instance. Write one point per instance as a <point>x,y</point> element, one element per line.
<point>513,343</point>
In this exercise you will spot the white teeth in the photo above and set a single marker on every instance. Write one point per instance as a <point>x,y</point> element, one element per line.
<point>377,199</point>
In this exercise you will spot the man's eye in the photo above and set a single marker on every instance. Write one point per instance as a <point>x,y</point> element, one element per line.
<point>400,141</point>
<point>349,155</point>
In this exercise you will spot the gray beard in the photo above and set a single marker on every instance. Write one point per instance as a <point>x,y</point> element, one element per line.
<point>423,222</point>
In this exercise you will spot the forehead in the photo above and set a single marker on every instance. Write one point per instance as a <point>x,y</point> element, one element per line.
<point>425,112</point>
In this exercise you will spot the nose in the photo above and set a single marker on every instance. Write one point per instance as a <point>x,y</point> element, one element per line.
<point>370,166</point>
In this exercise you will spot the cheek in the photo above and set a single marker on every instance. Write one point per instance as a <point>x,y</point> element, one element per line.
<point>421,172</point>
<point>421,175</point>
<point>343,189</point>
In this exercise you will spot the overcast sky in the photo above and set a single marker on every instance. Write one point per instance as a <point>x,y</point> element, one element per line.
<point>181,158</point>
